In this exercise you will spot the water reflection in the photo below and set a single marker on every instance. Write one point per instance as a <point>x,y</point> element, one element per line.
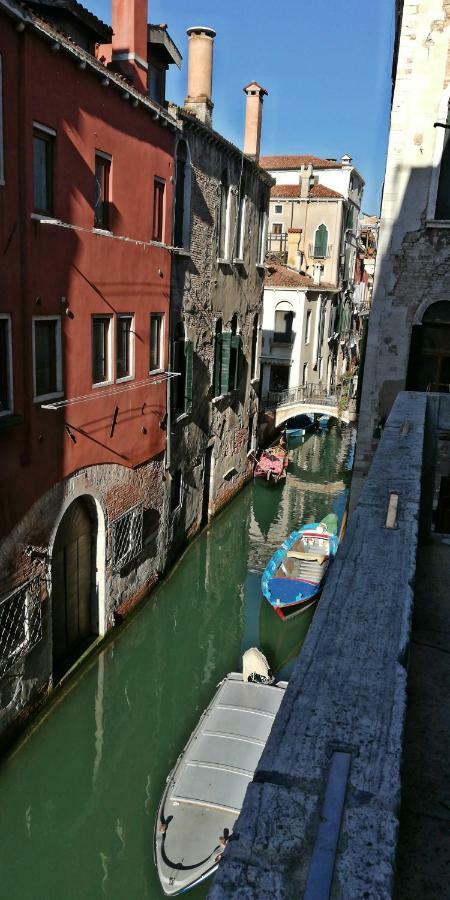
<point>78,799</point>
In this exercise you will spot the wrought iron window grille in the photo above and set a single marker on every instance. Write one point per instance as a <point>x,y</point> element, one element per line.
<point>127,536</point>
<point>20,623</point>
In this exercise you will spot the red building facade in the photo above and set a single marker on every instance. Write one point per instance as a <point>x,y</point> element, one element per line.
<point>86,183</point>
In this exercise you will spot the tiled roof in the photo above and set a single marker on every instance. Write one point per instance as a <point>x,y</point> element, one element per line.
<point>317,191</point>
<point>282,276</point>
<point>294,162</point>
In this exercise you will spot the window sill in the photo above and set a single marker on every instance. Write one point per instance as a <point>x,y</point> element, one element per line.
<point>261,267</point>
<point>227,396</point>
<point>9,420</point>
<point>223,262</point>
<point>254,381</point>
<point>156,371</point>
<point>102,231</point>
<point>102,384</point>
<point>124,379</point>
<point>161,244</point>
<point>43,398</point>
<point>437,223</point>
<point>181,251</point>
<point>238,261</point>
<point>44,217</point>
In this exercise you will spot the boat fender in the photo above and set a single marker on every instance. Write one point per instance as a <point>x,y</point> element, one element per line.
<point>255,667</point>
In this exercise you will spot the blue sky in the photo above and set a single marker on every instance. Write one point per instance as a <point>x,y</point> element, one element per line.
<point>325,63</point>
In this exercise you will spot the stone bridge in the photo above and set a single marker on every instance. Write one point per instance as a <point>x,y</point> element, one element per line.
<point>310,400</point>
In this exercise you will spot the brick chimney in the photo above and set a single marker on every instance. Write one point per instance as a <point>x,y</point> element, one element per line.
<point>253,119</point>
<point>200,59</point>
<point>129,43</point>
<point>306,180</point>
<point>294,254</point>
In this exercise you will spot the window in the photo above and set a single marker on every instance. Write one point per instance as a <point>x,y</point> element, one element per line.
<point>235,346</point>
<point>308,326</point>
<point>180,236</point>
<point>158,209</point>
<point>101,349</point>
<point>156,337</point>
<point>183,365</point>
<point>102,191</point>
<point>254,357</point>
<point>262,236</point>
<point>127,536</point>
<point>176,491</point>
<point>284,317</point>
<point>6,394</point>
<point>47,356</point>
<point>240,222</point>
<point>20,623</point>
<point>278,208</point>
<point>224,216</point>
<point>43,145</point>
<point>2,149</point>
<point>305,375</point>
<point>320,250</point>
<point>227,358</point>
<point>277,228</point>
<point>124,347</point>
<point>443,192</point>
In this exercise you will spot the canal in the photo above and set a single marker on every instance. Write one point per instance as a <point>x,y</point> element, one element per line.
<point>78,797</point>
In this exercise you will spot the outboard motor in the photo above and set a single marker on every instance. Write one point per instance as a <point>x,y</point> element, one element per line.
<point>255,667</point>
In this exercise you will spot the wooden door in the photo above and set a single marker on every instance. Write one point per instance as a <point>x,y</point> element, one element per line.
<point>73,585</point>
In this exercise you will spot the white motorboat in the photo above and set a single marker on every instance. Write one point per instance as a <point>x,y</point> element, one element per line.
<point>206,789</point>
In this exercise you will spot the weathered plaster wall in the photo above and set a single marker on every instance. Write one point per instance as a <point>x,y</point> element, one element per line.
<point>413,254</point>
<point>204,291</point>
<point>115,490</point>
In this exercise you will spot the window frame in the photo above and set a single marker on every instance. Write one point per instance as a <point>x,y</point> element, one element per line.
<point>182,219</point>
<point>159,190</point>
<point>308,326</point>
<point>10,374</point>
<point>223,248</point>
<point>262,236</point>
<point>48,135</point>
<point>278,209</point>
<point>240,224</point>
<point>120,378</point>
<point>2,145</point>
<point>161,317</point>
<point>39,398</point>
<point>315,245</point>
<point>105,159</point>
<point>110,345</point>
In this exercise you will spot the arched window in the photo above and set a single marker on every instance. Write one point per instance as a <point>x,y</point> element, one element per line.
<point>182,185</point>
<point>443,191</point>
<point>224,216</point>
<point>284,318</point>
<point>254,356</point>
<point>320,250</point>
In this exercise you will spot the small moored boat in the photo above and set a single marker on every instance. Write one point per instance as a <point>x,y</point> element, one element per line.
<point>273,462</point>
<point>206,789</point>
<point>294,577</point>
<point>299,425</point>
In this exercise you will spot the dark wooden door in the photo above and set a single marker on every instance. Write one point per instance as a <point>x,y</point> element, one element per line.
<point>73,582</point>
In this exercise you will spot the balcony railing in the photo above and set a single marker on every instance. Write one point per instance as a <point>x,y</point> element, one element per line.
<point>316,252</point>
<point>276,243</point>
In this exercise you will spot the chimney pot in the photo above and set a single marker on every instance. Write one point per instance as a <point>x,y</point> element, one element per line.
<point>200,60</point>
<point>253,119</point>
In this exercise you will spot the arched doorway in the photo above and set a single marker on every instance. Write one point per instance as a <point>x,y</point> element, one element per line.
<point>74,606</point>
<point>429,355</point>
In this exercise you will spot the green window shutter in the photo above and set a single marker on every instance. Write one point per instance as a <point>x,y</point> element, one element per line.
<point>217,364</point>
<point>189,360</point>
<point>321,242</point>
<point>225,362</point>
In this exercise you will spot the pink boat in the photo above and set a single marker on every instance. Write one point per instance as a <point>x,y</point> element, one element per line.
<point>272,464</point>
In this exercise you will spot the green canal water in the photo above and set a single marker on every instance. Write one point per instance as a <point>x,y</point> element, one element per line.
<point>78,797</point>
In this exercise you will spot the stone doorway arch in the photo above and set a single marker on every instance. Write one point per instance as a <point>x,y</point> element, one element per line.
<point>73,575</point>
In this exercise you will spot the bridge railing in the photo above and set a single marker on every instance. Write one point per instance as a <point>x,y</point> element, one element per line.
<point>304,393</point>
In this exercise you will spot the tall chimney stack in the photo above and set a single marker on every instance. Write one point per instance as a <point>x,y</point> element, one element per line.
<point>200,59</point>
<point>129,43</point>
<point>253,119</point>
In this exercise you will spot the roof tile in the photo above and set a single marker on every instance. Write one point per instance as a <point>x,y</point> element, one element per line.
<point>295,162</point>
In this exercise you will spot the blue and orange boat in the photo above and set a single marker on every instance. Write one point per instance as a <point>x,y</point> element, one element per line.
<point>294,577</point>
